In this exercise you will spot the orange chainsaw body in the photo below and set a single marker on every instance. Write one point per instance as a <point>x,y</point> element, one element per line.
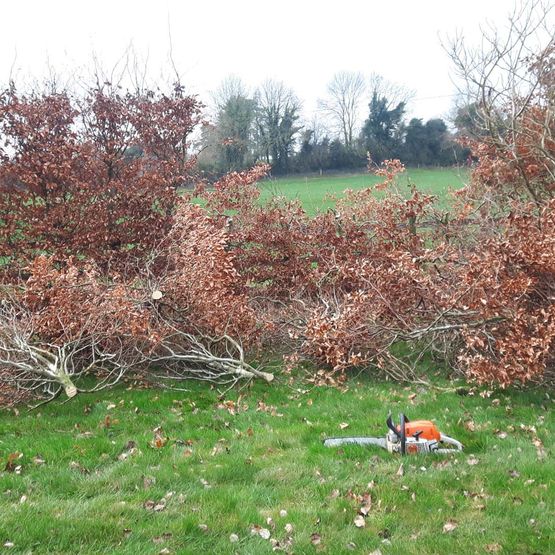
<point>427,429</point>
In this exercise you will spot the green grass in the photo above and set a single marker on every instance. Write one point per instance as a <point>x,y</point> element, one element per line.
<point>230,472</point>
<point>312,190</point>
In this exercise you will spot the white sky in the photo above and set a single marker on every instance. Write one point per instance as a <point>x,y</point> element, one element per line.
<point>302,42</point>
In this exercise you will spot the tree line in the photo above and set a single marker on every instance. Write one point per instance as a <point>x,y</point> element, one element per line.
<point>357,116</point>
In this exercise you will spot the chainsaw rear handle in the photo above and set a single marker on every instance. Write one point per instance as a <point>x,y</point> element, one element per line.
<point>446,439</point>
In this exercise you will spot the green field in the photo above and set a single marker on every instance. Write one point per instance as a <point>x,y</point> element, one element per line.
<point>312,190</point>
<point>87,476</point>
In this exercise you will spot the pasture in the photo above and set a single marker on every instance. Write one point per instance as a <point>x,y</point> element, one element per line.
<point>150,471</point>
<point>315,192</point>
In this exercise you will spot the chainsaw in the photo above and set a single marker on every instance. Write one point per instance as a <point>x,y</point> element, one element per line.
<point>408,438</point>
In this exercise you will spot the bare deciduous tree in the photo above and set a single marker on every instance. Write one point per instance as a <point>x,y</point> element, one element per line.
<point>343,105</point>
<point>230,87</point>
<point>507,82</point>
<point>394,93</point>
<point>277,115</point>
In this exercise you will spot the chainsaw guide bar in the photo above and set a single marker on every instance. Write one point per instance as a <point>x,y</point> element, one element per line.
<point>408,438</point>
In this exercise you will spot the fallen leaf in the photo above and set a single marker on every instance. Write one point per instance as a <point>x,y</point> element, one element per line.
<point>160,506</point>
<point>160,440</point>
<point>470,425</point>
<point>493,548</point>
<point>233,538</point>
<point>540,450</point>
<point>283,513</point>
<point>148,481</point>
<point>472,460</point>
<point>11,465</point>
<point>264,533</point>
<point>359,521</point>
<point>74,465</point>
<point>156,506</point>
<point>270,409</point>
<point>161,539</point>
<point>129,449</point>
<point>441,464</point>
<point>366,504</point>
<point>315,539</point>
<point>343,425</point>
<point>109,421</point>
<point>218,449</point>
<point>449,526</point>
<point>203,527</point>
<point>230,406</point>
<point>38,460</point>
<point>401,471</point>
<point>289,528</point>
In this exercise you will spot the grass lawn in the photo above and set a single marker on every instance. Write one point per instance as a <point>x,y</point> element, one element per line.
<point>312,190</point>
<point>91,477</point>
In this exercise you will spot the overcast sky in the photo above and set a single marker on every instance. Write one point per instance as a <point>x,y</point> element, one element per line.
<point>301,42</point>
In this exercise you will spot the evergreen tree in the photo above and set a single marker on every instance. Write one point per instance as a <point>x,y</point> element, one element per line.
<point>382,133</point>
